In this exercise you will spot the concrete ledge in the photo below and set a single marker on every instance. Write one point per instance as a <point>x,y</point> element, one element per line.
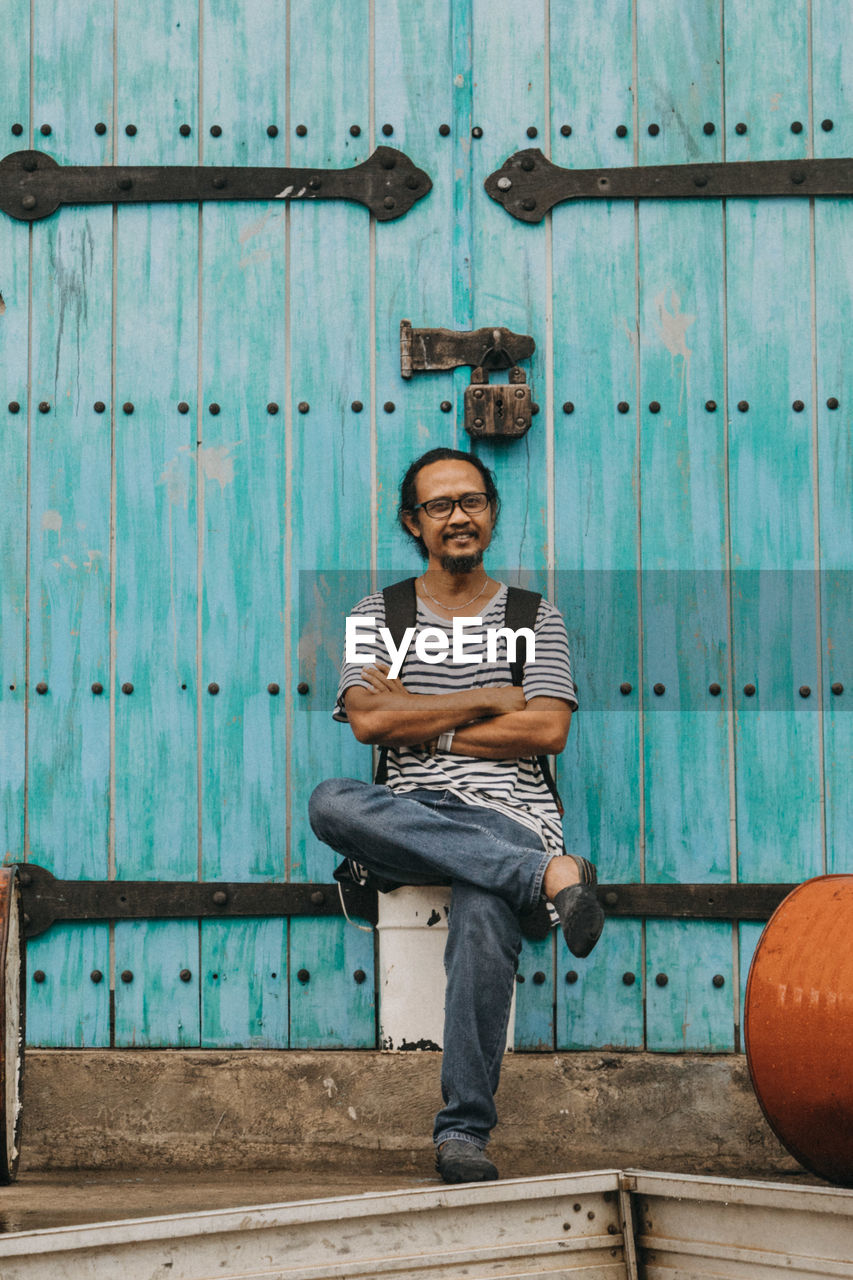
<point>371,1112</point>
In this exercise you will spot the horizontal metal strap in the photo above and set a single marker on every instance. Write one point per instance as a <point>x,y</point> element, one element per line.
<point>528,185</point>
<point>46,899</point>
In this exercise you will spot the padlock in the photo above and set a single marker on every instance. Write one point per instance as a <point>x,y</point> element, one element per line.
<point>498,410</point>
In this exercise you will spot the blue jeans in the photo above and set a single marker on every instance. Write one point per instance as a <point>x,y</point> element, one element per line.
<point>495,867</point>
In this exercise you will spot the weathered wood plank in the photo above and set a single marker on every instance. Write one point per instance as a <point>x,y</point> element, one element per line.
<point>156,756</point>
<point>330,362</point>
<point>833,233</point>
<point>242,480</point>
<point>595,512</point>
<point>70,476</point>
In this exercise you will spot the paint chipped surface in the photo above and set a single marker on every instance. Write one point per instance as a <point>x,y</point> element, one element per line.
<point>330,1086</point>
<point>217,462</point>
<point>52,520</point>
<point>673,324</point>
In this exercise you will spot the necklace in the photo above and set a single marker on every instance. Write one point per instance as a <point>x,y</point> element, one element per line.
<point>453,608</point>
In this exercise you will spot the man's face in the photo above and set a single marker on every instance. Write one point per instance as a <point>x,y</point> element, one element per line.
<point>456,541</point>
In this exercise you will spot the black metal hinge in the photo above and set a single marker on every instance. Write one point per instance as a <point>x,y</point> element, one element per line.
<point>33,185</point>
<point>528,185</point>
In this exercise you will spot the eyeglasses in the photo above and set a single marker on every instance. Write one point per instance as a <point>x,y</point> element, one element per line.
<point>470,503</point>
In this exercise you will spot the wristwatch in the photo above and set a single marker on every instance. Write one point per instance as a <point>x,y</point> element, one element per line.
<point>445,740</point>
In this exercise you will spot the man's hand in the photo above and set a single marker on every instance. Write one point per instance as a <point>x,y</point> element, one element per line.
<point>380,682</point>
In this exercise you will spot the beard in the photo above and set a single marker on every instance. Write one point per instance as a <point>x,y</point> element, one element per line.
<point>462,564</point>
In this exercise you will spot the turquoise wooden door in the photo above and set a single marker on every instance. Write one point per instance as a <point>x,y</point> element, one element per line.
<point>204,426</point>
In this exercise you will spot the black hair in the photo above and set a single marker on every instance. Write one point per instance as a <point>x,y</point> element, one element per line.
<point>408,488</point>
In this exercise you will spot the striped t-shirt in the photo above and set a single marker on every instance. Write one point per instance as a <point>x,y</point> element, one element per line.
<point>514,787</point>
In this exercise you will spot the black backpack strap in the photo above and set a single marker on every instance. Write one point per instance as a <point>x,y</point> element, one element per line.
<point>521,610</point>
<point>401,611</point>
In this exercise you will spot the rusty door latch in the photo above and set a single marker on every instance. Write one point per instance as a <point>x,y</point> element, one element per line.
<point>491,410</point>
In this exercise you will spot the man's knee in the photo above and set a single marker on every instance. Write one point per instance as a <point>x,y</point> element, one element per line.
<point>330,802</point>
<point>483,922</point>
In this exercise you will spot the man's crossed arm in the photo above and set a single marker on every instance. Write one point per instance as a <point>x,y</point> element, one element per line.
<point>490,723</point>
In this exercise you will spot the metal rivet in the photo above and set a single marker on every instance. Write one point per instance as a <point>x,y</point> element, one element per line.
<point>272,130</point>
<point>798,177</point>
<point>700,180</point>
<point>304,976</point>
<point>44,406</point>
<point>39,975</point>
<point>621,131</point>
<point>183,686</point>
<point>519,422</point>
<point>99,406</point>
<point>46,130</point>
<point>413,182</point>
<point>17,129</point>
<point>519,977</point>
<point>796,127</point>
<point>623,406</point>
<point>476,132</point>
<point>718,980</point>
<point>127,687</point>
<point>185,975</point>
<point>127,975</point>
<point>660,689</point>
<point>715,690</point>
<point>127,407</point>
<point>316,182</point>
<point>301,130</point>
<point>709,127</point>
<point>528,164</point>
<point>740,128</point>
<point>611,898</point>
<point>478,393</point>
<point>590,1215</point>
<point>216,131</point>
<point>612,1229</point>
<point>389,406</point>
<point>356,406</point>
<point>360,976</point>
<point>625,688</point>
<point>743,406</point>
<point>805,691</point>
<point>832,403</point>
<point>272,408</point>
<point>389,202</point>
<point>629,979</point>
<point>444,130</point>
<point>219,182</point>
<point>213,687</point>
<point>837,688</point>
<point>577,1208</point>
<point>96,976</point>
<point>749,690</point>
<point>355,130</point>
<point>568,407</point>
<point>41,687</point>
<point>183,407</point>
<point>387,129</point>
<point>29,202</point>
<point>539,977</point>
<point>528,204</point>
<point>213,408</point>
<point>661,979</point>
<point>97,688</point>
<point>654,407</point>
<point>303,687</point>
<point>303,406</point>
<point>826,125</point>
<point>185,130</point>
<point>220,897</point>
<point>532,131</point>
<point>571,977</point>
<point>14,406</point>
<point>30,164</point>
<point>566,130</point>
<point>273,689</point>
<point>654,130</point>
<point>711,406</point>
<point>130,130</point>
<point>504,184</point>
<point>445,406</point>
<point>798,406</point>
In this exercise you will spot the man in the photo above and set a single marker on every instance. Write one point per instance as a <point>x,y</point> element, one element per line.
<point>464,799</point>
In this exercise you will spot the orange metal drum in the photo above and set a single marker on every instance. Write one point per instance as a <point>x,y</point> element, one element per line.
<point>798,1022</point>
